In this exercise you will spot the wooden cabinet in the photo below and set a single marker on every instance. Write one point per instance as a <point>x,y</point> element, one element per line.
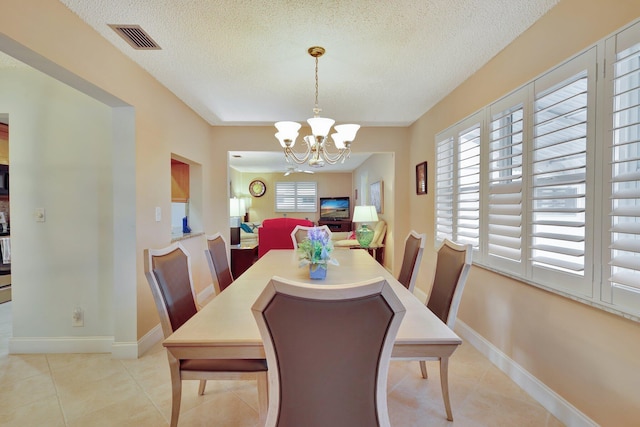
<point>179,182</point>
<point>242,257</point>
<point>336,226</point>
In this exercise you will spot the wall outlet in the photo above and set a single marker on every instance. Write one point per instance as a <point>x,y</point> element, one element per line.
<point>77,318</point>
<point>158,214</point>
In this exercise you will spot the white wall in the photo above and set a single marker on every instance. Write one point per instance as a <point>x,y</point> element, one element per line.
<point>61,160</point>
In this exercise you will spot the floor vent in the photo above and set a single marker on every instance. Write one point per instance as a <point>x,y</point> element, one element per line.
<point>135,36</point>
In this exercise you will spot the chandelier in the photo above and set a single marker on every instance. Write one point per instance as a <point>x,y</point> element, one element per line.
<point>316,150</point>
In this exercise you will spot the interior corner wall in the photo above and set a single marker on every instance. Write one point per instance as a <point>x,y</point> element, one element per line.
<point>81,58</point>
<point>582,354</point>
<point>380,167</point>
<point>61,161</point>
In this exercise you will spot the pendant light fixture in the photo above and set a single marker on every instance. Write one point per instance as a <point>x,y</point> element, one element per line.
<point>316,150</point>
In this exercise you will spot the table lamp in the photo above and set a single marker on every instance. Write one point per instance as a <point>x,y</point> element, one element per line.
<point>235,213</point>
<point>363,214</point>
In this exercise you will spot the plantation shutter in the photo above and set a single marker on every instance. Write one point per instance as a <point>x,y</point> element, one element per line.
<point>505,186</point>
<point>306,199</point>
<point>468,185</point>
<point>624,280</point>
<point>559,177</point>
<point>296,197</point>
<point>444,189</point>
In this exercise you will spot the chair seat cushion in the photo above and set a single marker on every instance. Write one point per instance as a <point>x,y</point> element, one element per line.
<point>224,365</point>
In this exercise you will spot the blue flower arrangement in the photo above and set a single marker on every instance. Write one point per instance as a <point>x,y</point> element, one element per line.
<point>316,249</point>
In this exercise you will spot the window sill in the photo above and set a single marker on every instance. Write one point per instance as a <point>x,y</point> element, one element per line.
<point>183,236</point>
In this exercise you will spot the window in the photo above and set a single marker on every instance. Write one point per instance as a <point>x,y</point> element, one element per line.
<point>561,147</point>
<point>458,183</point>
<point>468,200</point>
<point>444,189</point>
<point>545,182</point>
<point>296,197</point>
<point>622,279</point>
<point>504,191</point>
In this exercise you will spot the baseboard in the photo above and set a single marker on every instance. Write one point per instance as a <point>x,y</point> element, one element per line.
<point>150,339</point>
<point>119,350</point>
<point>133,350</point>
<point>564,411</point>
<point>206,294</point>
<point>38,345</point>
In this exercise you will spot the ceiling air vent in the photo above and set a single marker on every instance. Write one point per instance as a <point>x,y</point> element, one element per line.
<point>135,36</point>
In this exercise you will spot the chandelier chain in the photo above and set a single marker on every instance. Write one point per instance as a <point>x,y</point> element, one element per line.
<point>317,109</point>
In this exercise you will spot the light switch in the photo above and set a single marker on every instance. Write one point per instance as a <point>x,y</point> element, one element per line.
<point>39,214</point>
<point>158,214</point>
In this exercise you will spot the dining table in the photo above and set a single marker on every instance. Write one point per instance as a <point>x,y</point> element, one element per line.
<point>226,329</point>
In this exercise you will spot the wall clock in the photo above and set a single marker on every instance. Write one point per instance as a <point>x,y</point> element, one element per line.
<point>257,188</point>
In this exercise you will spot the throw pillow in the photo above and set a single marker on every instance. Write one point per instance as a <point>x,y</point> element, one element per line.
<point>246,228</point>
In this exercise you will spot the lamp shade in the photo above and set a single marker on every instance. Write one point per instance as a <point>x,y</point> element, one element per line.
<point>338,140</point>
<point>365,214</point>
<point>287,132</point>
<point>348,132</point>
<point>235,208</point>
<point>320,126</point>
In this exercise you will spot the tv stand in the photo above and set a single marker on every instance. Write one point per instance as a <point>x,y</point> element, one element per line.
<point>337,226</point>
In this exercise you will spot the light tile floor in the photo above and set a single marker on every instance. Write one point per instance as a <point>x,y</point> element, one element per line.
<point>96,390</point>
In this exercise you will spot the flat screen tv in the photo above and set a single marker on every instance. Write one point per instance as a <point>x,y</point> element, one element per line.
<point>334,208</point>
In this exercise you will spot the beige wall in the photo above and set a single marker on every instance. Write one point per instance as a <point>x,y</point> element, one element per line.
<point>587,356</point>
<point>392,141</point>
<point>329,185</point>
<point>381,167</point>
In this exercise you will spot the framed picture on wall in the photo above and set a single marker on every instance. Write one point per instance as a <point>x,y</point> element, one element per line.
<point>376,196</point>
<point>421,178</point>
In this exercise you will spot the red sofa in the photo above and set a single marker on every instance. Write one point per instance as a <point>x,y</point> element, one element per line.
<point>275,233</point>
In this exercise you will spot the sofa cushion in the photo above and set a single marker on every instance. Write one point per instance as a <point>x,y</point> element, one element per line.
<point>275,233</point>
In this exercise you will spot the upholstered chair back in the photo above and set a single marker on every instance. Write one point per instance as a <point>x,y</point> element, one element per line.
<point>216,255</point>
<point>171,275</point>
<point>328,351</point>
<point>413,248</point>
<point>452,269</point>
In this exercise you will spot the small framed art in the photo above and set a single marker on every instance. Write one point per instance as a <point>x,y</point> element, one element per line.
<point>376,196</point>
<point>421,178</point>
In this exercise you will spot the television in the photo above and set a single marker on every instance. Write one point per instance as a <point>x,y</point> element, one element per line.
<point>335,208</point>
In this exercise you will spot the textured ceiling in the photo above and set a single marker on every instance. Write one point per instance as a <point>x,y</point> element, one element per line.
<point>243,62</point>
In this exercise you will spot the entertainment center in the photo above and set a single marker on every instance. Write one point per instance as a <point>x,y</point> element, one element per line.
<point>335,212</point>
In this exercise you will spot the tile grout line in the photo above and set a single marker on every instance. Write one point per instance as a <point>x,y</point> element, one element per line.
<point>55,386</point>
<point>144,390</point>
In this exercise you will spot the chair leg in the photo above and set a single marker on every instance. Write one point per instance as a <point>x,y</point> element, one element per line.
<point>203,384</point>
<point>263,395</point>
<point>444,384</point>
<point>423,368</point>
<point>176,390</point>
